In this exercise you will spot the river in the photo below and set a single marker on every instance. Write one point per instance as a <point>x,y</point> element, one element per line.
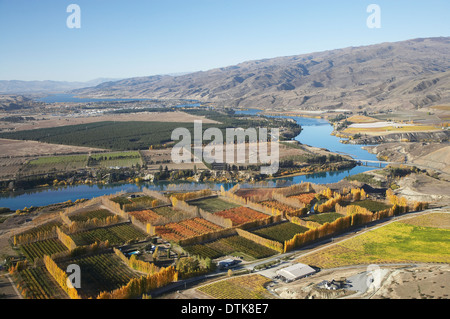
<point>316,132</point>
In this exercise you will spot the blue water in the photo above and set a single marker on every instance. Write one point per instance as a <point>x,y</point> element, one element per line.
<point>47,196</point>
<point>316,132</point>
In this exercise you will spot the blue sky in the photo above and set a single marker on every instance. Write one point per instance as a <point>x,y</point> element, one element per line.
<point>126,38</point>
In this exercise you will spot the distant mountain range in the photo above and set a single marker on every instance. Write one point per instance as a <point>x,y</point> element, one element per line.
<point>24,87</point>
<point>408,74</point>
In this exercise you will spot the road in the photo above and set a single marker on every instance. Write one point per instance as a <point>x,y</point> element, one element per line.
<point>8,288</point>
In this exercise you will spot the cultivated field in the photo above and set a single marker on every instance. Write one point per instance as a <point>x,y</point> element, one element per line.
<point>115,159</point>
<point>176,117</point>
<point>44,165</point>
<point>40,248</point>
<point>36,283</point>
<point>171,214</point>
<point>254,192</point>
<point>20,148</point>
<point>42,228</point>
<point>9,167</point>
<point>242,287</point>
<point>361,119</point>
<point>241,215</point>
<point>323,218</point>
<point>389,128</point>
<point>233,245</point>
<point>373,206</point>
<point>116,235</point>
<point>85,216</point>
<point>436,220</point>
<point>398,242</point>
<point>212,205</point>
<point>186,229</point>
<point>137,203</point>
<point>279,206</point>
<point>103,272</point>
<point>147,216</point>
<point>305,198</point>
<point>280,232</point>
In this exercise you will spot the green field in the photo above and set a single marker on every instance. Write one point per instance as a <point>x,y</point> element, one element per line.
<point>40,248</point>
<point>323,218</point>
<point>372,205</point>
<point>116,235</point>
<point>55,163</point>
<point>397,242</point>
<point>42,228</point>
<point>103,272</point>
<point>136,135</point>
<point>280,232</point>
<point>85,216</point>
<point>115,159</point>
<point>234,245</point>
<point>212,205</point>
<point>118,136</point>
<point>171,213</point>
<point>38,284</point>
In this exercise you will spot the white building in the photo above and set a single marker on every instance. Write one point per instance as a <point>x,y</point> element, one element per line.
<point>295,272</point>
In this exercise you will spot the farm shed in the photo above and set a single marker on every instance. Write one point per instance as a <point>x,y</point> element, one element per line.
<point>295,272</point>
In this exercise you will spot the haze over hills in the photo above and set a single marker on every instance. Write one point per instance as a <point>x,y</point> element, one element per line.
<point>409,74</point>
<point>18,87</point>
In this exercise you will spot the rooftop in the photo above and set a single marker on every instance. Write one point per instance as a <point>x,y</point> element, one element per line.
<point>295,271</point>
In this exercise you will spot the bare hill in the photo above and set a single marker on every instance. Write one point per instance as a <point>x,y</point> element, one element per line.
<point>408,74</point>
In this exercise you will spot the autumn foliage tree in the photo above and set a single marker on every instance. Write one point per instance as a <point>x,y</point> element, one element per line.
<point>137,287</point>
<point>60,277</point>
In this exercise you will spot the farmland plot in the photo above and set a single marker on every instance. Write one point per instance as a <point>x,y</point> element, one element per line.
<point>280,206</point>
<point>186,229</point>
<point>10,166</point>
<point>147,216</point>
<point>115,159</point>
<point>40,248</point>
<point>116,235</point>
<point>398,242</point>
<point>171,214</point>
<point>280,232</point>
<point>85,216</point>
<point>323,218</point>
<point>233,245</point>
<point>103,272</point>
<point>242,287</point>
<point>36,283</point>
<point>212,205</point>
<point>44,165</point>
<point>305,198</point>
<point>241,215</point>
<point>42,228</point>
